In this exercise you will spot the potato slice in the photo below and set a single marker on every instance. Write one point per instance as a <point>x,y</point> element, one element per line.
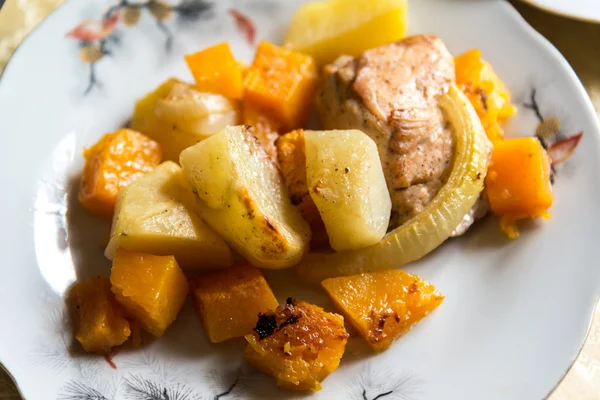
<point>154,215</point>
<point>241,195</point>
<point>328,29</point>
<point>346,182</point>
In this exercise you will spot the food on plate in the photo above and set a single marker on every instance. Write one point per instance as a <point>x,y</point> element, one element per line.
<point>299,344</point>
<point>265,127</point>
<point>156,214</point>
<point>432,146</point>
<point>518,182</point>
<point>401,164</point>
<point>229,301</point>
<point>99,322</point>
<point>346,182</point>
<point>151,289</point>
<point>291,155</point>
<point>185,106</point>
<point>328,29</point>
<point>488,94</point>
<point>384,305</point>
<point>217,71</point>
<point>115,161</point>
<point>399,109</point>
<point>242,196</point>
<point>432,226</point>
<point>178,116</point>
<point>282,82</point>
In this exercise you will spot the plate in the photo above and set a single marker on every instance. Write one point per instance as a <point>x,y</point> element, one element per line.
<point>515,314</point>
<point>586,10</point>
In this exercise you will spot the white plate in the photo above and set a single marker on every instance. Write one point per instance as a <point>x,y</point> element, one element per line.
<point>586,10</point>
<point>515,314</point>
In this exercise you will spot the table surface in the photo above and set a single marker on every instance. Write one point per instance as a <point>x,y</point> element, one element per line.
<point>578,42</point>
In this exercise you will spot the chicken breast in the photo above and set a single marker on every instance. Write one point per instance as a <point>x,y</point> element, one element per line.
<point>391,93</point>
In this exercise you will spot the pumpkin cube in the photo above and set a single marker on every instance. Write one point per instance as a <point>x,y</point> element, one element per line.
<point>229,301</point>
<point>485,90</point>
<point>518,181</point>
<point>283,82</point>
<point>299,345</point>
<point>291,156</point>
<point>383,306</point>
<point>114,162</point>
<point>217,71</point>
<point>263,126</point>
<point>99,322</point>
<point>151,289</point>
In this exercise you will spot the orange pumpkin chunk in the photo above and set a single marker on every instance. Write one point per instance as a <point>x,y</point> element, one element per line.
<point>299,345</point>
<point>518,182</point>
<point>485,90</point>
<point>383,306</point>
<point>99,322</point>
<point>283,82</point>
<point>291,155</point>
<point>151,289</point>
<point>217,71</point>
<point>229,301</point>
<point>263,126</point>
<point>114,162</point>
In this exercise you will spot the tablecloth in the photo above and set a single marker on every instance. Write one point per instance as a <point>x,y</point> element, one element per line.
<point>578,41</point>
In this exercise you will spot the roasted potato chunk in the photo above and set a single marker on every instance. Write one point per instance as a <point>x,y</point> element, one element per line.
<point>242,196</point>
<point>155,215</point>
<point>330,28</point>
<point>346,182</point>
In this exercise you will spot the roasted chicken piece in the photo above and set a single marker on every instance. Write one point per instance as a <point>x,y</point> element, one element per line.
<point>391,93</point>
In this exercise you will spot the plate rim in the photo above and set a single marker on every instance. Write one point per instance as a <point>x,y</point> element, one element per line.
<point>561,13</point>
<point>527,28</point>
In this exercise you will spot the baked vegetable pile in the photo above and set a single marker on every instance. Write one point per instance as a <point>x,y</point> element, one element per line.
<point>219,178</point>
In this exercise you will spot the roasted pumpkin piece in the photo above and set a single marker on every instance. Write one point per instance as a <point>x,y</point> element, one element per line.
<point>299,344</point>
<point>518,182</point>
<point>114,162</point>
<point>262,125</point>
<point>488,94</point>
<point>229,301</point>
<point>217,71</point>
<point>291,156</point>
<point>328,29</point>
<point>282,82</point>
<point>383,306</point>
<point>178,116</point>
<point>99,322</point>
<point>155,214</point>
<point>151,289</point>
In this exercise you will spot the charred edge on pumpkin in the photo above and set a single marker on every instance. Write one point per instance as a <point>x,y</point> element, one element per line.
<point>267,322</point>
<point>296,199</point>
